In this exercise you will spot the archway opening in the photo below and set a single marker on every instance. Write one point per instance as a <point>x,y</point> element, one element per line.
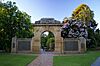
<point>47,41</point>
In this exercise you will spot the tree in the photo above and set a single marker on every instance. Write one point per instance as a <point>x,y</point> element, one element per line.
<point>50,43</point>
<point>13,22</point>
<point>43,40</point>
<point>85,14</point>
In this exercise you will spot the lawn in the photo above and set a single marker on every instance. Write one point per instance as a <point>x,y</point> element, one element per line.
<point>76,60</point>
<point>15,59</point>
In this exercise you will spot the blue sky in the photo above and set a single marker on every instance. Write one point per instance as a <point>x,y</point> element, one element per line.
<point>57,9</point>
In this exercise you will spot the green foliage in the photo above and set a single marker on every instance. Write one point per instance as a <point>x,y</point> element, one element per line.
<point>43,41</point>
<point>48,41</point>
<point>91,36</point>
<point>97,37</point>
<point>13,22</point>
<point>84,13</point>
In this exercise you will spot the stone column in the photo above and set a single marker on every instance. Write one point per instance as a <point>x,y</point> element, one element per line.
<point>36,44</point>
<point>36,41</point>
<point>58,43</point>
<point>13,45</point>
<point>83,44</point>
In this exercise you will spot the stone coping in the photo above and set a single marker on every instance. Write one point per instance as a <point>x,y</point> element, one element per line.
<point>47,24</point>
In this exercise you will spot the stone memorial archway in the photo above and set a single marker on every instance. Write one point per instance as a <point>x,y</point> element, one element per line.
<point>47,24</point>
<point>66,45</point>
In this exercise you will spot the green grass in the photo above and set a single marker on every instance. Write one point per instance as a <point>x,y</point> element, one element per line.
<point>15,59</point>
<point>76,60</point>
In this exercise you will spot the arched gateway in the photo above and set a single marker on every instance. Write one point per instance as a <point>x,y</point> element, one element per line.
<point>66,45</point>
<point>47,24</point>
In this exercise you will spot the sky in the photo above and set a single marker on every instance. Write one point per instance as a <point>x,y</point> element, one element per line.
<point>57,9</point>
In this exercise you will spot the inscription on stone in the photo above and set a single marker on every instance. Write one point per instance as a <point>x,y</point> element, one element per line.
<point>71,46</point>
<point>24,45</point>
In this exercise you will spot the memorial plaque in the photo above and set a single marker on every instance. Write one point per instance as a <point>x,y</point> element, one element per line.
<point>24,45</point>
<point>70,45</point>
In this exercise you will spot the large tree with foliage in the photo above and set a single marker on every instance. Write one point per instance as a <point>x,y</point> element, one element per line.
<point>50,43</point>
<point>85,14</point>
<point>13,22</point>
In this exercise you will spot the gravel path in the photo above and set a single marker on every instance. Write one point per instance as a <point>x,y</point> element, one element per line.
<point>96,63</point>
<point>45,59</point>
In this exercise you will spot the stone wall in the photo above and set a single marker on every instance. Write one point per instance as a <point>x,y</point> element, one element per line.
<point>74,45</point>
<point>21,45</point>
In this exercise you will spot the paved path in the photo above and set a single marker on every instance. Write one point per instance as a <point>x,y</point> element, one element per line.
<point>45,59</point>
<point>96,63</point>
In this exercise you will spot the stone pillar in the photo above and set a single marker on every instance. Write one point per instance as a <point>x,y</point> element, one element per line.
<point>36,42</point>
<point>13,45</point>
<point>58,43</point>
<point>83,44</point>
